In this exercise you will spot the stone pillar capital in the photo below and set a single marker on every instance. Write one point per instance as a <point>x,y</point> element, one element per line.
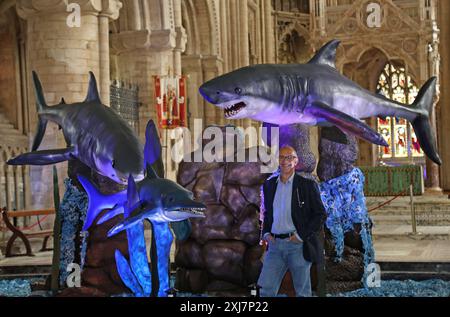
<point>155,40</point>
<point>212,64</point>
<point>181,39</point>
<point>129,41</point>
<point>29,8</point>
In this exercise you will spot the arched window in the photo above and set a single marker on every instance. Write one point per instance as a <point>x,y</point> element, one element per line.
<point>395,84</point>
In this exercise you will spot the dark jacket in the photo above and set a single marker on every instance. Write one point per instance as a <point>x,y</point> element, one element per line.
<point>308,214</point>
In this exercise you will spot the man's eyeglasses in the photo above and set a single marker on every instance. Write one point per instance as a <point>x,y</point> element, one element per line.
<point>288,158</point>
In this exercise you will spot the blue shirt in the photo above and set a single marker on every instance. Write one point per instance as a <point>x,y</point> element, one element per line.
<point>282,215</point>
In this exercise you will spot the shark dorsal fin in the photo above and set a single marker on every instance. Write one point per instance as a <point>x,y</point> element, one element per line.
<point>62,102</point>
<point>132,196</point>
<point>151,172</point>
<point>92,94</point>
<point>326,55</point>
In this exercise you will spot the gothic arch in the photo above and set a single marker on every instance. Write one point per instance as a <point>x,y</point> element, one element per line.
<point>142,15</point>
<point>392,52</point>
<point>201,21</point>
<point>295,41</point>
<point>189,21</point>
<point>301,30</point>
<point>10,80</point>
<point>366,69</point>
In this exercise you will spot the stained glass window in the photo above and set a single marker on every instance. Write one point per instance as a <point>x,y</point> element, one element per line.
<point>395,84</point>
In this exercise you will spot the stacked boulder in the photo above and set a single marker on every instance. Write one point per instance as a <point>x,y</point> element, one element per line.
<point>223,251</point>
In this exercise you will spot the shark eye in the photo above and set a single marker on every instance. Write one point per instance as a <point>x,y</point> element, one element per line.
<point>171,199</point>
<point>238,90</point>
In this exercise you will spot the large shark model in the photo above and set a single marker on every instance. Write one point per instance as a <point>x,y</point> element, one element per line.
<point>316,94</point>
<point>95,134</point>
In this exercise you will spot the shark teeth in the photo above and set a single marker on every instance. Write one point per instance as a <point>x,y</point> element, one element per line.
<point>195,211</point>
<point>232,110</point>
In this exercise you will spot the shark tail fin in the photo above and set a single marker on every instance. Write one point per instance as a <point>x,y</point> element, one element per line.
<point>97,201</point>
<point>41,107</point>
<point>421,124</point>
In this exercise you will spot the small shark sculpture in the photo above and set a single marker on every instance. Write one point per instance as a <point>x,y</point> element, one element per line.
<point>95,134</point>
<point>160,200</point>
<point>316,94</point>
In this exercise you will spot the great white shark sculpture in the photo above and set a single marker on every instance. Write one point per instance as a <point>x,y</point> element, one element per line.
<point>95,134</point>
<point>317,94</point>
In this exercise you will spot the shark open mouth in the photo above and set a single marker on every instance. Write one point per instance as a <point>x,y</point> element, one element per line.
<point>232,110</point>
<point>195,211</point>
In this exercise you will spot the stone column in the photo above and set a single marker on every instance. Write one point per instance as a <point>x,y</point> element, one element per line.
<point>224,35</point>
<point>244,56</point>
<point>432,181</point>
<point>269,32</point>
<point>192,67</point>
<point>103,43</point>
<point>443,109</point>
<point>181,37</point>
<point>212,67</point>
<point>62,56</point>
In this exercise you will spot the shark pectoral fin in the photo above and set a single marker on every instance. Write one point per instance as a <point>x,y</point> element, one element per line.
<point>125,224</point>
<point>267,136</point>
<point>116,210</point>
<point>344,122</point>
<point>136,213</point>
<point>44,157</point>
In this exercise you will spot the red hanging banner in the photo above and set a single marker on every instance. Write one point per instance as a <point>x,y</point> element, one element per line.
<point>170,96</point>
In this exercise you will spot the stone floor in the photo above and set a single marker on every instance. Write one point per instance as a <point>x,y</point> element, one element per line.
<point>393,241</point>
<point>412,250</point>
<point>40,258</point>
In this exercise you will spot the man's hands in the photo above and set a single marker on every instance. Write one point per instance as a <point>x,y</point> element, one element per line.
<point>294,238</point>
<point>268,237</point>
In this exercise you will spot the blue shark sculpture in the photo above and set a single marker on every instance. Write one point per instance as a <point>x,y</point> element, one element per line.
<point>316,94</point>
<point>95,134</point>
<point>155,199</point>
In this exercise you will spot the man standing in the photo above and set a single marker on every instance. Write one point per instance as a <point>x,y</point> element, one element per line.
<point>294,215</point>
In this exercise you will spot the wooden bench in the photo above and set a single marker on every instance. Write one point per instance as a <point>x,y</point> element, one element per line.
<point>17,233</point>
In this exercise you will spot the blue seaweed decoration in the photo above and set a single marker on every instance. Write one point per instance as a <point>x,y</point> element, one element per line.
<point>345,204</point>
<point>136,273</point>
<point>163,237</point>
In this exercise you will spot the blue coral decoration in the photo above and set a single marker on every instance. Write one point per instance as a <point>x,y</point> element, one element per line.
<point>136,273</point>
<point>345,204</point>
